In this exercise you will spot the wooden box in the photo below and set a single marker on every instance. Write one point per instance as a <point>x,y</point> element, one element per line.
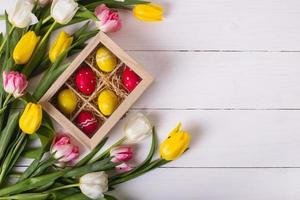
<point>111,80</point>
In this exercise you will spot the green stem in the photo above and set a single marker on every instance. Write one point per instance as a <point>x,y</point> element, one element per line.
<point>7,100</point>
<point>6,38</point>
<point>48,33</point>
<point>2,17</point>
<point>5,103</point>
<point>46,20</point>
<point>108,150</point>
<point>63,187</point>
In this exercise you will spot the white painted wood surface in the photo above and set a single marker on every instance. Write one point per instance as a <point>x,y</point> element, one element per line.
<point>229,70</point>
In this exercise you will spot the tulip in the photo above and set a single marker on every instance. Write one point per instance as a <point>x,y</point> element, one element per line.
<point>124,167</point>
<point>93,185</point>
<point>175,145</point>
<point>109,21</point>
<point>25,48</point>
<point>62,42</point>
<point>21,15</point>
<point>148,12</point>
<point>31,119</point>
<point>14,83</point>
<point>63,150</point>
<point>62,11</point>
<point>121,154</point>
<point>138,128</point>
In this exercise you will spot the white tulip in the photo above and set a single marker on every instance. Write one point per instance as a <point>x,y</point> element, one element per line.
<point>63,11</point>
<point>138,128</point>
<point>93,185</point>
<point>21,14</point>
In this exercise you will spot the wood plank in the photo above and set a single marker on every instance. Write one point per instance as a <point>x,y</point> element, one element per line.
<point>213,184</point>
<point>214,25</point>
<point>198,80</point>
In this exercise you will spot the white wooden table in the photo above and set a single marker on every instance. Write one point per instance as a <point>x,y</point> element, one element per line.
<point>230,71</point>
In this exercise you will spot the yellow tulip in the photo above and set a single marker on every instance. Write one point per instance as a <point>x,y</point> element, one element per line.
<point>62,42</point>
<point>25,48</point>
<point>175,145</point>
<point>31,119</point>
<point>148,12</point>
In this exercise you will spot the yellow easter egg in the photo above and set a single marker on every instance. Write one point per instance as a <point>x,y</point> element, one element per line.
<point>107,102</point>
<point>106,61</point>
<point>67,101</point>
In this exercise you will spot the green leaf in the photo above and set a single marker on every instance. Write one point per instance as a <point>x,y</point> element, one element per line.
<point>102,165</point>
<point>31,196</point>
<point>42,67</point>
<point>46,136</point>
<point>31,183</point>
<point>43,166</point>
<point>85,14</point>
<point>32,153</point>
<point>75,20</point>
<point>108,197</point>
<point>1,38</point>
<point>48,79</point>
<point>12,156</point>
<point>8,133</point>
<point>81,31</point>
<point>88,157</point>
<point>32,167</point>
<point>77,196</point>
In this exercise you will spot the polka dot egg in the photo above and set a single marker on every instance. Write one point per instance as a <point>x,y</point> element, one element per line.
<point>85,80</point>
<point>130,79</point>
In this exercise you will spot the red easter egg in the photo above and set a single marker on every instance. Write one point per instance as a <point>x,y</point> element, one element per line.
<point>130,79</point>
<point>85,80</point>
<point>87,122</point>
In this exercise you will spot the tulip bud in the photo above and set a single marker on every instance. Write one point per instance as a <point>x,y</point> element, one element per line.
<point>62,11</point>
<point>31,119</point>
<point>138,128</point>
<point>148,12</point>
<point>14,83</point>
<point>93,185</point>
<point>25,48</point>
<point>124,167</point>
<point>63,150</point>
<point>109,20</point>
<point>21,14</point>
<point>62,42</point>
<point>121,154</point>
<point>175,145</point>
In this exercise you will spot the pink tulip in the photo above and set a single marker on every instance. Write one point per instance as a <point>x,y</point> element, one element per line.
<point>109,20</point>
<point>14,83</point>
<point>63,150</point>
<point>121,154</point>
<point>124,167</point>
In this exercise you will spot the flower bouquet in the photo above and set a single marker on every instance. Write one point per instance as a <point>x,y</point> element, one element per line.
<point>56,172</point>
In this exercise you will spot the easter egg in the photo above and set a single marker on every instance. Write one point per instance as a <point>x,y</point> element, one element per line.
<point>67,101</point>
<point>130,79</point>
<point>107,102</point>
<point>85,80</point>
<point>106,61</point>
<point>87,122</point>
